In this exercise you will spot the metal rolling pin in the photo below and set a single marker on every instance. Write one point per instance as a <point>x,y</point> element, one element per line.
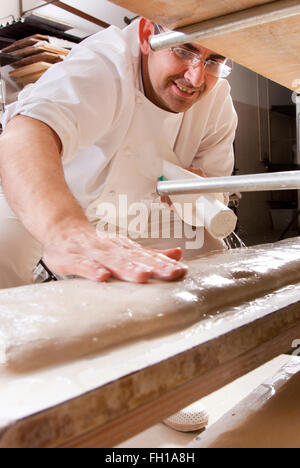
<point>244,183</point>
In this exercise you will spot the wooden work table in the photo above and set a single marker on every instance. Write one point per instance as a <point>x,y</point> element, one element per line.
<point>104,399</point>
<point>272,50</point>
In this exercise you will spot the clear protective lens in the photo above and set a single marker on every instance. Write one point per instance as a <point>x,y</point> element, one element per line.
<point>214,68</point>
<point>218,69</point>
<point>184,55</point>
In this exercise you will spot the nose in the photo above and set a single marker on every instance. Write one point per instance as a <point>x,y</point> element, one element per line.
<point>196,74</point>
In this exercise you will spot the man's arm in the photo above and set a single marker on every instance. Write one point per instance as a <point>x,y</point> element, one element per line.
<point>32,176</point>
<point>34,184</point>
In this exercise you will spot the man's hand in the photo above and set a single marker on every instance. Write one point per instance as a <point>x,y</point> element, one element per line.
<point>34,184</point>
<point>198,172</point>
<point>83,252</point>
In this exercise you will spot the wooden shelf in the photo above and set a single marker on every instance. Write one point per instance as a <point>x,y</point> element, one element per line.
<point>262,48</point>
<point>34,25</point>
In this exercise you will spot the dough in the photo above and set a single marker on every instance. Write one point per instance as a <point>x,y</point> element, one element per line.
<point>51,323</point>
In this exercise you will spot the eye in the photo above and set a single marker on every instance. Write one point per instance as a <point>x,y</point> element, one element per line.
<point>214,64</point>
<point>183,53</point>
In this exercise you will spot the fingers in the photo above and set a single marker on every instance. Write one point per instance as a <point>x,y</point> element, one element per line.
<point>198,172</point>
<point>144,262</point>
<point>166,199</point>
<point>130,271</point>
<point>175,254</point>
<point>93,269</point>
<point>84,268</point>
<point>143,271</point>
<point>171,273</point>
<point>94,273</point>
<point>101,258</point>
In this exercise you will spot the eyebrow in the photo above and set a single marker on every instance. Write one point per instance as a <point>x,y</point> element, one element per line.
<point>217,57</point>
<point>212,56</point>
<point>191,48</point>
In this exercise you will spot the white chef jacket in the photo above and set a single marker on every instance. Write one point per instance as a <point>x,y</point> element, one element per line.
<point>94,101</point>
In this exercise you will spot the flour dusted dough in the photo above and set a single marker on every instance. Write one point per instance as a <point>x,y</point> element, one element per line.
<point>51,323</point>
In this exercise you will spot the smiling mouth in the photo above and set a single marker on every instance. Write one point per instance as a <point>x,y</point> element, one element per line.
<point>186,90</point>
<point>189,92</point>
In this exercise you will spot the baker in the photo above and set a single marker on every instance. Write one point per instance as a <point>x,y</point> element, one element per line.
<point>78,140</point>
<point>75,140</point>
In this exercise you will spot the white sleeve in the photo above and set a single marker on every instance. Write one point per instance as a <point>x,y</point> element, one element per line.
<point>78,98</point>
<point>215,155</point>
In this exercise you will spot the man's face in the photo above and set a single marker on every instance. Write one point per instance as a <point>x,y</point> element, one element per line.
<point>173,85</point>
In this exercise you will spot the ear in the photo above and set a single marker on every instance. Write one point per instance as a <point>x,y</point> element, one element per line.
<point>145,31</point>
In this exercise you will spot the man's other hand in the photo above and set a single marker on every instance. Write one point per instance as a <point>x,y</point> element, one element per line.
<point>198,172</point>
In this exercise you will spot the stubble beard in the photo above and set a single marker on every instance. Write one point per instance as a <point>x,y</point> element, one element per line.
<point>184,105</point>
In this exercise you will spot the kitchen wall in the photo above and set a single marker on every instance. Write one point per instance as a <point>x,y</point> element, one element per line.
<point>253,213</point>
<point>253,96</point>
